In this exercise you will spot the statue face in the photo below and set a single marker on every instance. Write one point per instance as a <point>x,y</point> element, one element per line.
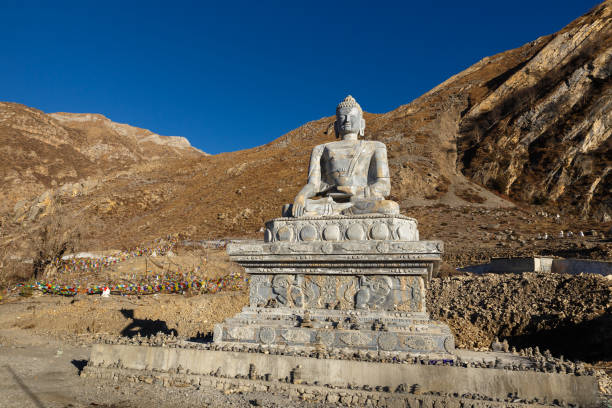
<point>349,120</point>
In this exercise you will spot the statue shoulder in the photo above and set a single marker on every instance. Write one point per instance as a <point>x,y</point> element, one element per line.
<point>318,149</point>
<point>326,146</point>
<point>374,144</point>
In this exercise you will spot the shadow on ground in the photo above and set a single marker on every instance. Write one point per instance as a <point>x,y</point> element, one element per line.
<point>144,327</point>
<point>35,400</point>
<point>589,341</point>
<point>202,337</point>
<point>79,364</point>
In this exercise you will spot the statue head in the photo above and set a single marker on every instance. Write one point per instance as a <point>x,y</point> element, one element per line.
<point>349,118</point>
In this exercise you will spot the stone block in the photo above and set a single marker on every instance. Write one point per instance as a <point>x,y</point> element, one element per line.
<point>377,227</point>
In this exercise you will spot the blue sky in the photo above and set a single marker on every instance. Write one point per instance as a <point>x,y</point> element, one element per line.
<point>233,75</point>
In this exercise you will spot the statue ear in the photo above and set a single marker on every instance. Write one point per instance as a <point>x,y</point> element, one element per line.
<point>362,127</point>
<point>336,131</point>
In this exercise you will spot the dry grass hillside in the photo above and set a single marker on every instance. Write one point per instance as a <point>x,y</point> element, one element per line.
<point>529,127</point>
<point>41,151</point>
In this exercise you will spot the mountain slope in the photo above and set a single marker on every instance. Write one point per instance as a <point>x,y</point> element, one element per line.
<point>40,151</point>
<point>542,133</point>
<point>529,126</point>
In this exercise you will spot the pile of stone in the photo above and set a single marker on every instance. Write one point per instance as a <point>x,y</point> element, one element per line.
<point>508,306</point>
<point>533,359</point>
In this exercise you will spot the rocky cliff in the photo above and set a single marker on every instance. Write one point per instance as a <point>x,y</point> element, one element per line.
<point>541,132</point>
<point>532,124</point>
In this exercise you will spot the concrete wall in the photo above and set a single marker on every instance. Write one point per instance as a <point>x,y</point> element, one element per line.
<point>576,266</point>
<point>496,383</point>
<point>541,264</point>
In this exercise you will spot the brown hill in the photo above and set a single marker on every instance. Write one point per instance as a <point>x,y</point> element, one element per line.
<point>40,151</point>
<point>532,125</point>
<point>541,131</point>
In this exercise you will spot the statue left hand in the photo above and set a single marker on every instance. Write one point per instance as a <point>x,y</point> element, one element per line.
<point>298,206</point>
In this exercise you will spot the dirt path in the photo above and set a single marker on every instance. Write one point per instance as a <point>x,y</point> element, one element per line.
<point>85,316</point>
<point>46,340</point>
<point>38,371</point>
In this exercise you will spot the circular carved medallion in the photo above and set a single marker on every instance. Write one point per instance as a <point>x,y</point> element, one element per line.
<point>267,335</point>
<point>449,344</point>
<point>308,233</point>
<point>379,231</point>
<point>275,248</point>
<point>327,248</point>
<point>387,341</point>
<point>284,233</point>
<point>355,232</point>
<point>331,233</point>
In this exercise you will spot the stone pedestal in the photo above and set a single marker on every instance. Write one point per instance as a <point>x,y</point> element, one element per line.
<point>353,282</point>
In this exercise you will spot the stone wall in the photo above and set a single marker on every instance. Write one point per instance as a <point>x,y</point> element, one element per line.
<point>332,380</point>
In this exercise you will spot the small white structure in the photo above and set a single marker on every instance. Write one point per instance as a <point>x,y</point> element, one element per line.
<point>542,264</point>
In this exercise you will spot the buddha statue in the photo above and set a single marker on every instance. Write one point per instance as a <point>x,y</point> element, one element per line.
<point>346,177</point>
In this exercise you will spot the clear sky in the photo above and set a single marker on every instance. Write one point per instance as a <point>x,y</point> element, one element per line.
<point>230,75</point>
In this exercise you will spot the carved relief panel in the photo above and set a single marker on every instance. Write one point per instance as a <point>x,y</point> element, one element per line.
<point>364,292</point>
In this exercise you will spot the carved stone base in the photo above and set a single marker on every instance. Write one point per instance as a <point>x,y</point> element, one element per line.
<point>399,332</point>
<point>341,292</point>
<point>339,282</point>
<point>342,228</point>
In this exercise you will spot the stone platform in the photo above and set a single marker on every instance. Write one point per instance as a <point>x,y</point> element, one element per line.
<point>359,383</point>
<point>339,282</point>
<point>398,332</point>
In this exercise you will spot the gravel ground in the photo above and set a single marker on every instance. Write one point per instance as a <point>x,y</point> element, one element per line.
<point>45,340</point>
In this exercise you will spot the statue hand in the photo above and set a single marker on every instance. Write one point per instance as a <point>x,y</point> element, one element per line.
<point>371,192</point>
<point>298,210</point>
<point>298,206</point>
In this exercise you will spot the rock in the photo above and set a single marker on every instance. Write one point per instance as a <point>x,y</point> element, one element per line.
<point>332,398</point>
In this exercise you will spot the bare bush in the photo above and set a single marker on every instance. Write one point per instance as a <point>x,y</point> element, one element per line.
<point>12,268</point>
<point>56,235</point>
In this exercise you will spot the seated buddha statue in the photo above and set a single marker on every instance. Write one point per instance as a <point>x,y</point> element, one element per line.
<point>346,177</point>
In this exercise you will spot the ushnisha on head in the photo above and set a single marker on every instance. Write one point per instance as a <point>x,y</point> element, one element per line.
<point>349,118</point>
